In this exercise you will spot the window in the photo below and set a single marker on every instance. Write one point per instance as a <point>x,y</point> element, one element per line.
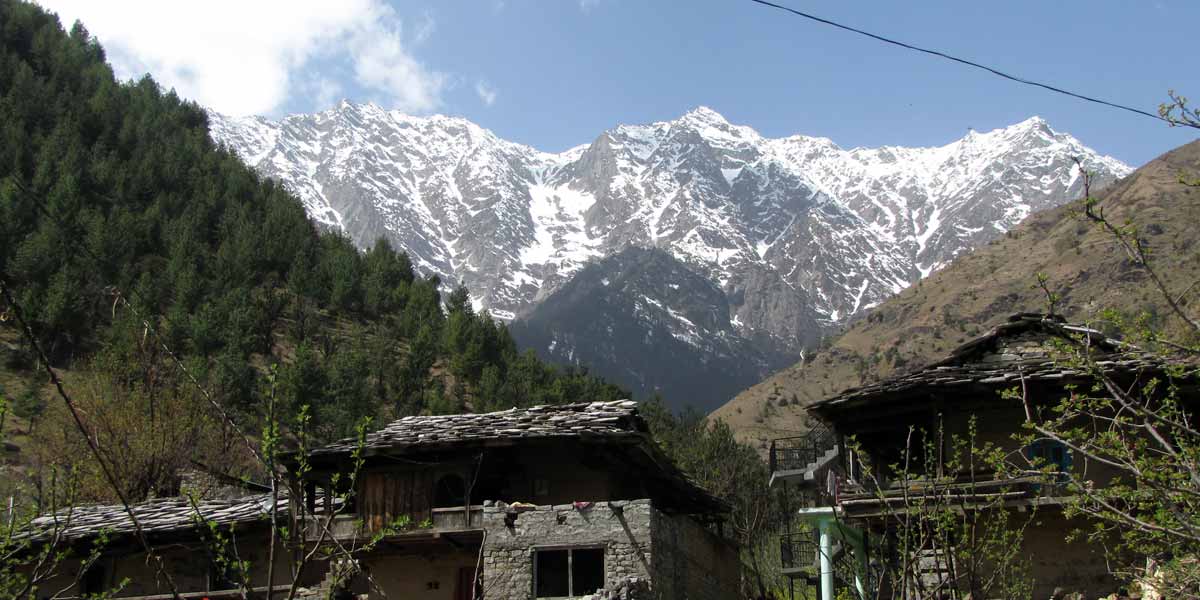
<point>449,492</point>
<point>94,580</point>
<point>568,573</point>
<point>1050,453</point>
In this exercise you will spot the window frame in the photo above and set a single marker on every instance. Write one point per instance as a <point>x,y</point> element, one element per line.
<point>1044,448</point>
<point>570,550</point>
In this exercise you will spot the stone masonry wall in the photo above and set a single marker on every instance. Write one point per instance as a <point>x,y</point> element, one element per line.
<point>677,556</point>
<point>622,528</point>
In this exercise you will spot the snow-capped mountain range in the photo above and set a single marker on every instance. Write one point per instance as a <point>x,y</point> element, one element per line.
<point>800,234</point>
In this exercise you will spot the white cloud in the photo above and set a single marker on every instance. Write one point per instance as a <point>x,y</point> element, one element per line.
<point>383,64</point>
<point>588,5</point>
<point>324,91</point>
<point>486,92</point>
<point>424,29</point>
<point>247,57</point>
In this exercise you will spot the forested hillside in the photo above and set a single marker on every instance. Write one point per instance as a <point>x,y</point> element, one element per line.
<point>128,238</point>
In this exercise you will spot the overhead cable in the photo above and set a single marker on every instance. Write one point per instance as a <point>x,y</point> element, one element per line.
<point>976,65</point>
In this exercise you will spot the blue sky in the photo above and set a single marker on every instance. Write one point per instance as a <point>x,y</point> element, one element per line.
<point>555,73</point>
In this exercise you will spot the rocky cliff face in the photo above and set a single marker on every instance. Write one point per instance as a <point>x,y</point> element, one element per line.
<point>798,234</point>
<point>643,318</point>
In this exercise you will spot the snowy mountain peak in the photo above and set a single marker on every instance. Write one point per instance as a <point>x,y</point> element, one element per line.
<point>1034,122</point>
<point>715,128</point>
<point>1033,126</point>
<point>704,116</point>
<point>800,233</point>
<point>705,113</point>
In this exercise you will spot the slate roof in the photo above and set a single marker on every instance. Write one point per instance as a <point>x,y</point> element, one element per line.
<point>159,516</point>
<point>586,419</point>
<point>617,421</point>
<point>985,362</point>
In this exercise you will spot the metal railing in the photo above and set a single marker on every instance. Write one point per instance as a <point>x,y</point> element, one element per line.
<point>798,549</point>
<point>800,561</point>
<point>795,453</point>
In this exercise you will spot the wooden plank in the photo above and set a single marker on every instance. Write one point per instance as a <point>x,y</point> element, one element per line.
<point>381,504</point>
<point>375,483</point>
<point>422,507</point>
<point>384,498</point>
<point>364,502</point>
<point>404,494</point>
<point>361,501</point>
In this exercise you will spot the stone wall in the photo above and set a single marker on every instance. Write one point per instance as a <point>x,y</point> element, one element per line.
<point>513,534</point>
<point>1069,566</point>
<point>679,558</point>
<point>690,561</point>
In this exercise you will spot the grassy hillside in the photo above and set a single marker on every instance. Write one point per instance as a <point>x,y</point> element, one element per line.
<point>924,322</point>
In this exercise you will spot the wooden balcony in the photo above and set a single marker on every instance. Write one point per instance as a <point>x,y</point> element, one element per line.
<point>350,526</point>
<point>964,492</point>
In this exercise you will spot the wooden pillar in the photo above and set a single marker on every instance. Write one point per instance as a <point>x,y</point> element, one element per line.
<point>310,496</point>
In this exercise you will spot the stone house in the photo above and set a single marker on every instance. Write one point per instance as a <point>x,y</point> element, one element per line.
<point>844,516</point>
<point>545,502</point>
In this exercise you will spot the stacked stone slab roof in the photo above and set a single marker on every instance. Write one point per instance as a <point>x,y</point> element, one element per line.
<point>598,420</point>
<point>1019,348</point>
<point>586,419</point>
<point>159,516</point>
<point>617,422</point>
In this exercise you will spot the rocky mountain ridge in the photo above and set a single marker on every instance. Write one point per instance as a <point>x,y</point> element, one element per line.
<point>800,232</point>
<point>644,308</point>
<point>800,235</point>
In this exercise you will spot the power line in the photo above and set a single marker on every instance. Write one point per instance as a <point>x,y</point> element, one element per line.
<point>976,65</point>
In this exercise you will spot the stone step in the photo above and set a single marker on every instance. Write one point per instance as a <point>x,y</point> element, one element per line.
<point>811,469</point>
